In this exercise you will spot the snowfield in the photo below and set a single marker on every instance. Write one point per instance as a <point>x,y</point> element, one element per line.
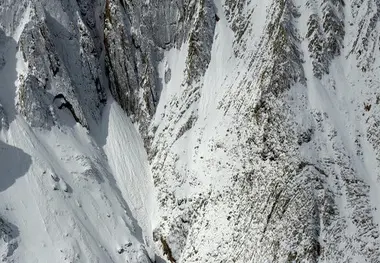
<point>63,192</point>
<point>68,195</point>
<point>189,131</point>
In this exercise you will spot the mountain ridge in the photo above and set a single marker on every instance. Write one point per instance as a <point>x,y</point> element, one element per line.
<point>246,131</point>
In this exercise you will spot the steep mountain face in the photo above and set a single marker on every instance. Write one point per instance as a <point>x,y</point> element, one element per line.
<point>247,131</point>
<point>137,34</point>
<point>75,184</point>
<point>271,155</point>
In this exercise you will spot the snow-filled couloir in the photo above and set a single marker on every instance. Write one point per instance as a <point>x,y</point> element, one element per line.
<point>189,131</point>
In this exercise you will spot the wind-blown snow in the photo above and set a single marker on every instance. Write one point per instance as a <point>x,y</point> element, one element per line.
<point>253,133</point>
<point>58,187</point>
<point>128,162</point>
<point>68,195</point>
<point>68,205</point>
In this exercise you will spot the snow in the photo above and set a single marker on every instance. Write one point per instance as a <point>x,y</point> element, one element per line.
<point>201,159</point>
<point>24,20</point>
<point>129,165</point>
<point>194,157</point>
<point>74,195</point>
<point>174,60</point>
<point>63,190</point>
<point>71,195</point>
<point>341,95</point>
<point>88,210</point>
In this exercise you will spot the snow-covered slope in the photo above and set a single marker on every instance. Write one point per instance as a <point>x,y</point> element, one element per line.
<point>189,131</point>
<point>63,195</point>
<point>67,194</point>
<point>271,156</point>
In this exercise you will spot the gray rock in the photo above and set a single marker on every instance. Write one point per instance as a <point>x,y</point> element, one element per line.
<point>296,188</point>
<point>8,242</point>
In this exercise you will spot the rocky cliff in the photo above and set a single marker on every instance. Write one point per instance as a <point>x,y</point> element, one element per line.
<point>259,119</point>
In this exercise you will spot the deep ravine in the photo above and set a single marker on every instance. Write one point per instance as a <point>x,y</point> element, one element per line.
<point>189,131</point>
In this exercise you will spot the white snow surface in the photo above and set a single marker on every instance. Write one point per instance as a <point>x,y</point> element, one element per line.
<point>74,196</point>
<point>70,197</point>
<point>203,159</point>
<point>67,195</point>
<point>74,199</point>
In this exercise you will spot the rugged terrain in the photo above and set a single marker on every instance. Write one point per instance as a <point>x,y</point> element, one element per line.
<point>189,131</point>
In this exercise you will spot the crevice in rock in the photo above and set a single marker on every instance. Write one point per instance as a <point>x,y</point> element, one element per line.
<point>167,250</point>
<point>66,104</point>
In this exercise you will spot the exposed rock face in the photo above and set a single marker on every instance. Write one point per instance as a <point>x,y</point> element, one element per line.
<point>280,179</point>
<point>325,34</point>
<point>136,36</point>
<point>8,241</point>
<point>61,59</point>
<point>260,118</point>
